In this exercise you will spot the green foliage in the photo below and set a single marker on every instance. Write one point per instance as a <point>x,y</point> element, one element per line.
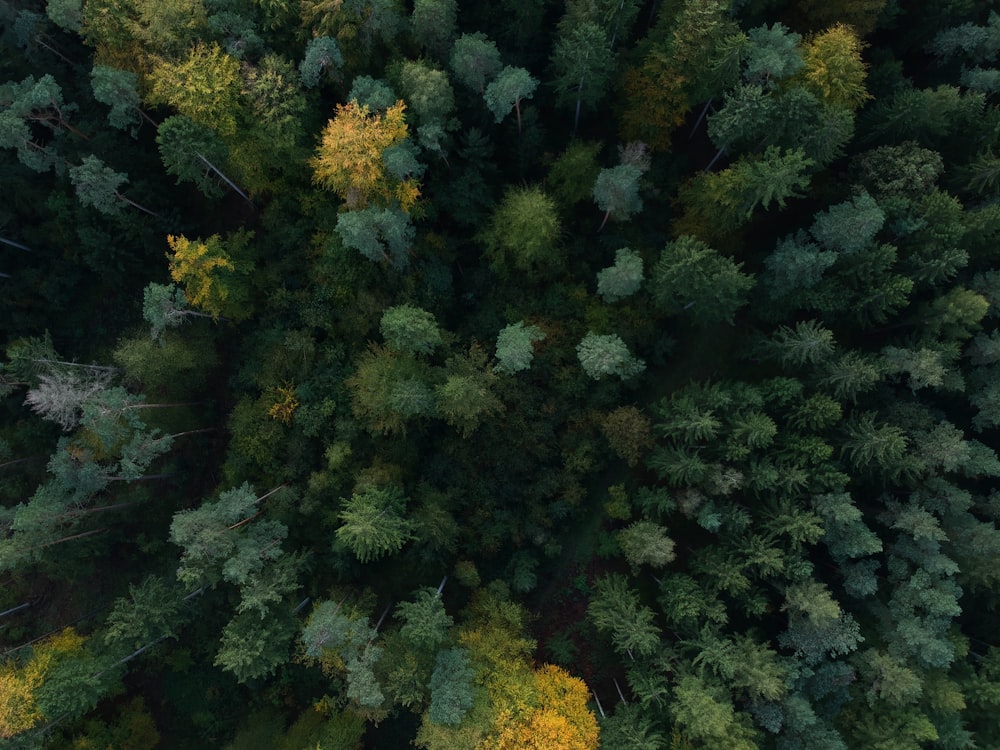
<point>410,330</point>
<point>372,523</point>
<point>97,185</point>
<point>646,543</point>
<point>603,355</point>
<point>117,89</point>
<point>507,90</point>
<point>379,234</point>
<point>187,149</point>
<point>451,687</point>
<point>475,61</point>
<point>523,233</point>
<point>433,23</point>
<point>425,623</point>
<point>616,191</point>
<point>691,278</point>
<point>322,60</point>
<point>515,347</point>
<point>615,609</point>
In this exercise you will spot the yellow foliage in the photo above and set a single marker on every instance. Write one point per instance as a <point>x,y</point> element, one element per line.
<point>205,86</point>
<point>349,159</point>
<point>833,67</point>
<point>196,265</point>
<point>18,709</point>
<point>285,404</point>
<point>560,720</point>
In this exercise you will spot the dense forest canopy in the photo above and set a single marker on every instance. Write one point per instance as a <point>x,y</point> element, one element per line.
<point>500,375</point>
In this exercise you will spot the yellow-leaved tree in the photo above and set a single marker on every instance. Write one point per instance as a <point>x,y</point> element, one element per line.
<point>19,682</point>
<point>213,281</point>
<point>349,159</point>
<point>514,706</point>
<point>560,719</point>
<point>834,70</point>
<point>205,85</point>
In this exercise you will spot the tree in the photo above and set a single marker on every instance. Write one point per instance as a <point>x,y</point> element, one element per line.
<point>475,61</point>
<point>97,185</point>
<point>210,276</point>
<point>433,23</point>
<point>582,62</point>
<point>466,396</point>
<point>809,342</point>
<point>119,90</point>
<point>849,227</point>
<point>20,683</point>
<point>32,102</point>
<point>690,275</point>
<point>409,329</point>
<point>380,234</point>
<point>646,543</point>
<point>796,266</point>
<point>833,67</point>
<point>349,158</point>
<point>372,524</point>
<point>506,92</point>
<point>191,152</point>
<point>623,279</point>
<point>601,356</point>
<point>165,306</point>
<point>615,609</point>
<point>61,394</point>
<point>616,192</point>
<point>451,687</point>
<point>223,540</point>
<point>515,347</point>
<point>205,86</point>
<point>322,60</point>
<point>425,622</point>
<point>523,232</point>
<point>373,93</point>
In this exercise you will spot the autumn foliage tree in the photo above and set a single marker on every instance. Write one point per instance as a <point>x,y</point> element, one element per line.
<point>350,162</point>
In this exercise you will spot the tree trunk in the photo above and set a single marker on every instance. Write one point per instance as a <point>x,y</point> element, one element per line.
<point>132,203</point>
<point>18,245</point>
<point>605,220</point>
<point>229,182</point>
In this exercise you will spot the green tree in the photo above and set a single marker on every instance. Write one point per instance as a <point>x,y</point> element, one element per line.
<point>615,608</point>
<point>119,90</point>
<point>433,23</point>
<point>97,185</point>
<point>379,234</point>
<point>322,60</point>
<point>849,227</point>
<point>646,543</point>
<point>223,540</point>
<point>372,523</point>
<point>623,279</point>
<point>409,329</point>
<point>475,61</point>
<point>425,622</point>
<point>605,355</point>
<point>507,90</point>
<point>515,347</point>
<point>451,687</point>
<point>466,397</point>
<point>582,62</point>
<point>523,233</point>
<point>616,192</point>
<point>191,152</point>
<point>691,276</point>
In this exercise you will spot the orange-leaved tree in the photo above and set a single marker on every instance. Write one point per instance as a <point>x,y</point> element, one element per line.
<point>349,159</point>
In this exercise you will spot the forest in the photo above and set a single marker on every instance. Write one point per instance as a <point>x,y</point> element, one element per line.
<point>512,375</point>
